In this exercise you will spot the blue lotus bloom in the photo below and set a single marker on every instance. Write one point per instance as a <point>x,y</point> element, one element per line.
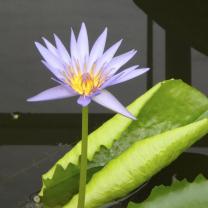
<point>86,73</point>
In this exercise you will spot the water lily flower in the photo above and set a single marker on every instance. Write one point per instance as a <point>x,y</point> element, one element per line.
<point>86,73</point>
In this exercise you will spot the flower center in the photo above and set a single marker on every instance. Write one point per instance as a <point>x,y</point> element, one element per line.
<point>84,83</point>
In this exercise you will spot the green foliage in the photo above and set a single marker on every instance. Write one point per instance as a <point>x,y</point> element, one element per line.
<point>181,194</point>
<point>67,179</point>
<point>123,154</point>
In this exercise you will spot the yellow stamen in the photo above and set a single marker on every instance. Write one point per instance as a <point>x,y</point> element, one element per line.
<point>84,83</point>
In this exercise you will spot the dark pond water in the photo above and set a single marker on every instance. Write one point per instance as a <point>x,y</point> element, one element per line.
<point>30,145</point>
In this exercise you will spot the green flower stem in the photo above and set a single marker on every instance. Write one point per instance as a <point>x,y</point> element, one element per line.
<point>83,166</point>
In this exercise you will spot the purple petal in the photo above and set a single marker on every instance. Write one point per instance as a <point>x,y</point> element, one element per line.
<point>82,43</point>
<point>111,80</point>
<point>117,62</point>
<point>62,50</point>
<point>107,100</point>
<point>126,71</point>
<point>127,76</point>
<point>73,46</point>
<point>97,49</point>
<point>107,56</point>
<point>84,100</point>
<point>49,56</point>
<point>59,81</point>
<point>54,93</point>
<point>50,47</point>
<point>54,70</point>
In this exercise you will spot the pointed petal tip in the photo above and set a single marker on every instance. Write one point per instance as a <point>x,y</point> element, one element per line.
<point>128,74</point>
<point>56,38</point>
<point>133,118</point>
<point>105,31</point>
<point>129,115</point>
<point>133,51</point>
<point>83,43</point>
<point>45,39</point>
<point>54,93</point>
<point>146,69</point>
<point>83,27</point>
<point>72,31</point>
<point>36,43</point>
<point>39,46</point>
<point>106,99</point>
<point>72,34</point>
<point>83,24</point>
<point>120,41</point>
<point>31,99</point>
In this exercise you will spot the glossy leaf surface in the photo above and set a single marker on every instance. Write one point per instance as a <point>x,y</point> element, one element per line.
<point>181,194</point>
<point>166,114</point>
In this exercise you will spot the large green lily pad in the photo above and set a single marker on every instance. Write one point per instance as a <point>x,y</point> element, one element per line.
<point>171,117</point>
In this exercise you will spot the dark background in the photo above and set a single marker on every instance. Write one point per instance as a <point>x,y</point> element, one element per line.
<point>171,39</point>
